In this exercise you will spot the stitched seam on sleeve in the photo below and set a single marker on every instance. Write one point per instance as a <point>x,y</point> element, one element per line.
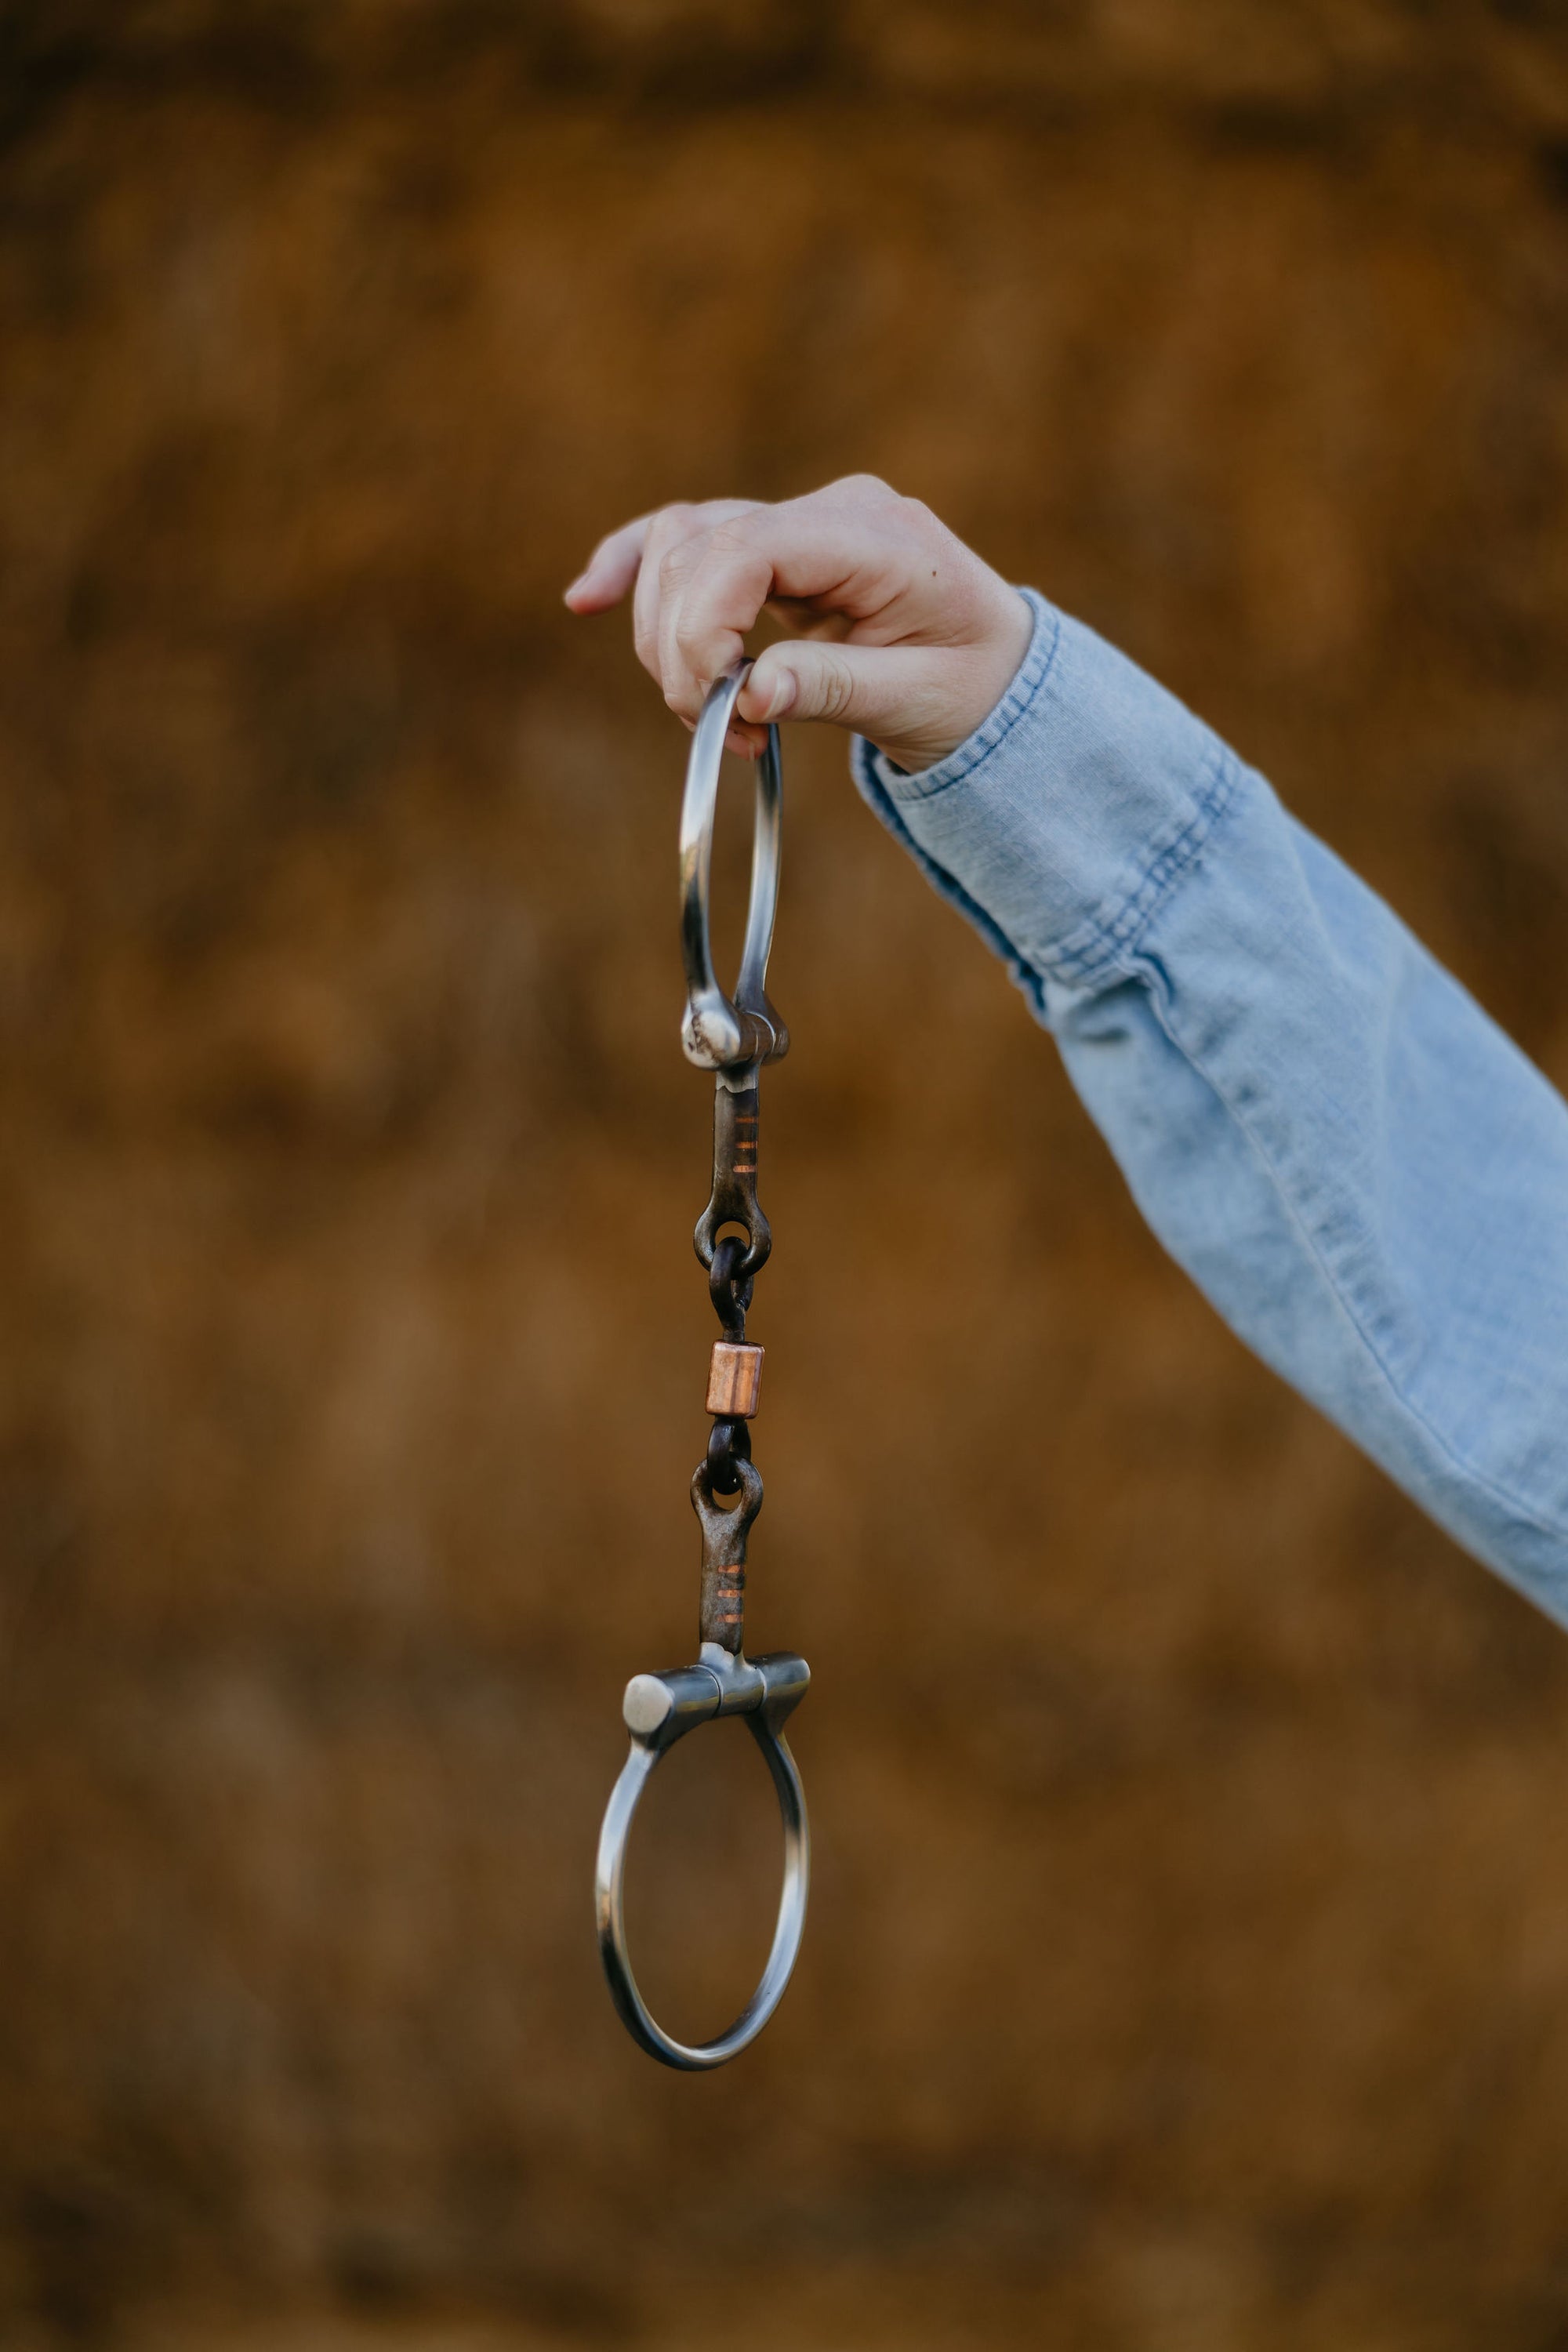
<point>866,764</point>
<point>1480,1481</point>
<point>1113,932</point>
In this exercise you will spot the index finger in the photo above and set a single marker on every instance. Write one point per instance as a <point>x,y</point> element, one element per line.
<point>836,552</point>
<point>610,569</point>
<point>616,561</point>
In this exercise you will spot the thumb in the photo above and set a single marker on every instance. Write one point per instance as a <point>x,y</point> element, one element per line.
<point>878,690</point>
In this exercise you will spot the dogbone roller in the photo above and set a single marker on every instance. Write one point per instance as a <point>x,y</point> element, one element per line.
<point>733,1037</point>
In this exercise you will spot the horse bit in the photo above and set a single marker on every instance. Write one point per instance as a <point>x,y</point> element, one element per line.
<point>732,1038</point>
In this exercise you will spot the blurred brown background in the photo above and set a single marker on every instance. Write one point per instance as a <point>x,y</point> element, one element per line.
<point>1189,1963</point>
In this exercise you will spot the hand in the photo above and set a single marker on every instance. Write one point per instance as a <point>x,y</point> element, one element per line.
<point>904,635</point>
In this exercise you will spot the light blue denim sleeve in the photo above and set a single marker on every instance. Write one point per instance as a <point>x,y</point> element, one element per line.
<point>1363,1173</point>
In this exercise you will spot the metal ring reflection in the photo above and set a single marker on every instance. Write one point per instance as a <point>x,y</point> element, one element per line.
<point>719,1032</point>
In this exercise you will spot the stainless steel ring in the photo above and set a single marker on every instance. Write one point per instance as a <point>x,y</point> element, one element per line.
<point>721,1033</point>
<point>763,1715</point>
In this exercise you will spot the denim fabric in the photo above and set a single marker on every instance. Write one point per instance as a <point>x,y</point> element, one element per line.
<point>1362,1172</point>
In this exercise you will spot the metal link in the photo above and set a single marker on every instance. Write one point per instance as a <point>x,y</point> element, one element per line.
<point>733,1199</point>
<point>731,1295</point>
<point>729,1442</point>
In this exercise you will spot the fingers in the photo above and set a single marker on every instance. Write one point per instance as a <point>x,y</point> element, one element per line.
<point>619,561</point>
<point>903,698</point>
<point>672,545</point>
<point>905,635</point>
<point>714,590</point>
<point>889,693</point>
<point>850,684</point>
<point>839,551</point>
<point>667,531</point>
<point>610,569</point>
<point>701,574</point>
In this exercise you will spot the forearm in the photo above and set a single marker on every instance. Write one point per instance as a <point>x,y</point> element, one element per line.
<point>1362,1172</point>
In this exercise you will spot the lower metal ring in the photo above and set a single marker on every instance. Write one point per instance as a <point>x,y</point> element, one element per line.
<point>609,1907</point>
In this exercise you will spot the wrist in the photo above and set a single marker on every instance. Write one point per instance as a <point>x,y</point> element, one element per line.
<point>968,681</point>
<point>1072,812</point>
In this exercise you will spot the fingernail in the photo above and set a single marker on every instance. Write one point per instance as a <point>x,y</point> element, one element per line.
<point>786,686</point>
<point>581,582</point>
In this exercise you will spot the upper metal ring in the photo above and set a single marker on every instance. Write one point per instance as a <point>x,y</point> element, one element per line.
<point>719,1032</point>
<point>691,1705</point>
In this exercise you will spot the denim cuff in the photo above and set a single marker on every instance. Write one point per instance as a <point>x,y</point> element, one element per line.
<point>1072,810</point>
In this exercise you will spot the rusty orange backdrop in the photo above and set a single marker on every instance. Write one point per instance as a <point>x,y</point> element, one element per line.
<point>1188,1965</point>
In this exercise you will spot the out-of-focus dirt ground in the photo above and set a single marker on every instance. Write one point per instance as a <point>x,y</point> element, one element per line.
<point>1188,1965</point>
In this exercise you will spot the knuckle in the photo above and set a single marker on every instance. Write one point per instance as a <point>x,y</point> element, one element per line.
<point>920,522</point>
<point>864,488</point>
<point>734,535</point>
<point>837,688</point>
<point>670,526</point>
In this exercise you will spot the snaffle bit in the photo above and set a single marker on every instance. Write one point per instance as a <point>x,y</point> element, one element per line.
<point>733,1037</point>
